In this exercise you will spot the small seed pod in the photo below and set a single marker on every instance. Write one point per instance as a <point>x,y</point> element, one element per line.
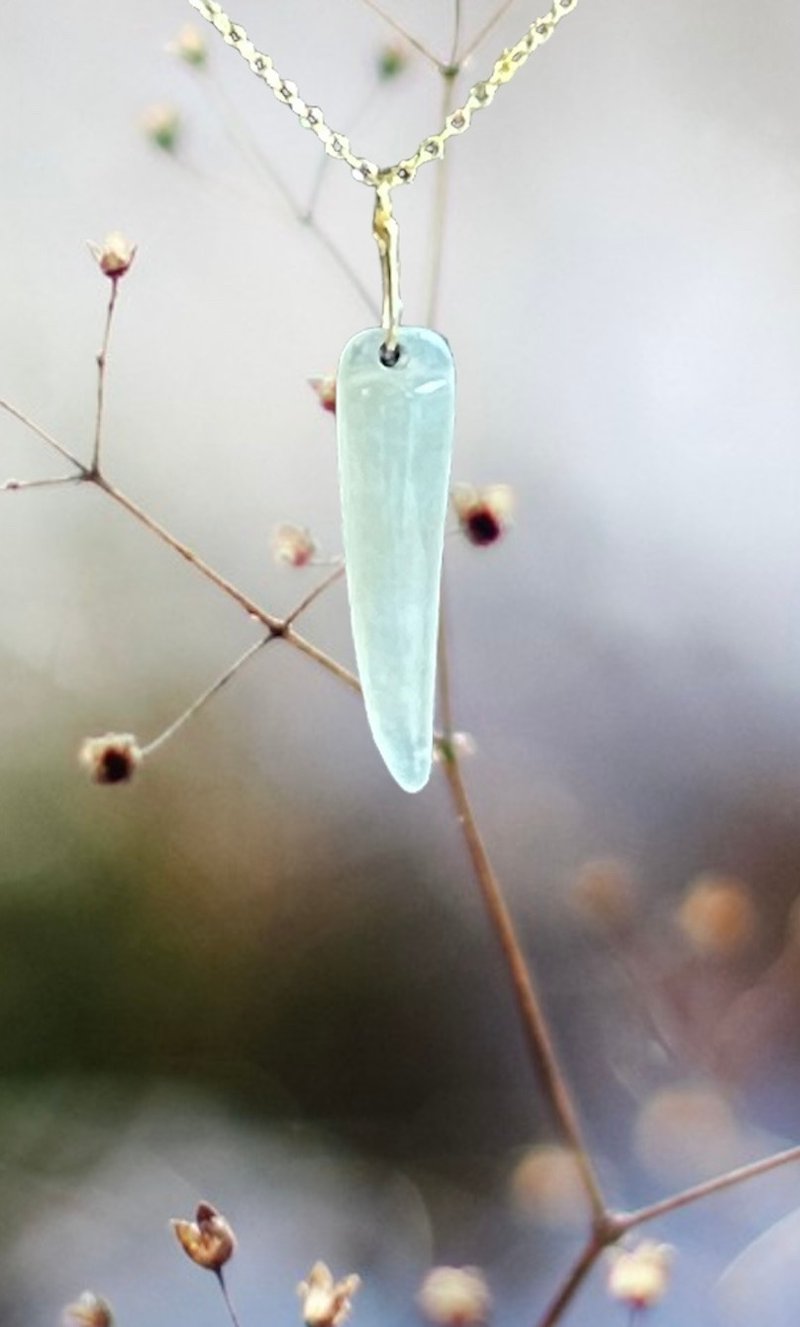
<point>325,1302</point>
<point>208,1240</point>
<point>113,758</point>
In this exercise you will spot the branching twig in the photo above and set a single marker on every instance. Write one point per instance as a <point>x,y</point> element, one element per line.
<point>488,27</point>
<point>402,32</point>
<point>627,1220</point>
<point>241,138</point>
<point>17,485</point>
<point>206,695</point>
<point>101,378</point>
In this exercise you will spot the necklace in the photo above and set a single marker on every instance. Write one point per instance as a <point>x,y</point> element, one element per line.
<point>395,414</point>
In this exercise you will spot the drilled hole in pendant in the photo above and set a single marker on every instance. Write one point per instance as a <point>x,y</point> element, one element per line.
<point>389,357</point>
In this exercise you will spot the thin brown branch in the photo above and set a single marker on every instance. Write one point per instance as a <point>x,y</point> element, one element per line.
<point>206,696</point>
<point>241,138</point>
<point>456,33</point>
<point>537,1034</point>
<point>101,377</point>
<point>488,27</point>
<point>536,1031</point>
<point>18,485</point>
<point>223,1285</point>
<point>572,1282</point>
<point>45,436</point>
<point>314,594</point>
<point>627,1220</point>
<point>402,32</point>
<point>253,609</point>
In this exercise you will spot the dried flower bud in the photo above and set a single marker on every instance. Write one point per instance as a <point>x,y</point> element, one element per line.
<point>325,389</point>
<point>717,915</point>
<point>484,514</point>
<point>112,758</point>
<point>208,1240</point>
<point>189,45</point>
<point>455,1297</point>
<point>457,745</point>
<point>639,1277</point>
<point>161,124</point>
<point>293,545</point>
<point>392,60</point>
<point>89,1310</point>
<point>115,255</point>
<point>327,1303</point>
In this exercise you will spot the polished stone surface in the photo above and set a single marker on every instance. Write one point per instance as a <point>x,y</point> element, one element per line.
<point>395,430</point>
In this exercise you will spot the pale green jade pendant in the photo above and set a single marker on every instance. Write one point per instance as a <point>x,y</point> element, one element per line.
<point>395,433</point>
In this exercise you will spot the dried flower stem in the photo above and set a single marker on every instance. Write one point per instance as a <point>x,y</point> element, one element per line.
<point>402,32</point>
<point>488,27</point>
<point>315,593</point>
<point>16,485</point>
<point>46,437</point>
<point>241,138</point>
<point>627,1220</point>
<point>206,695</point>
<point>276,625</point>
<point>101,378</point>
<point>223,1285</point>
<point>537,1034</point>
<point>573,1281</point>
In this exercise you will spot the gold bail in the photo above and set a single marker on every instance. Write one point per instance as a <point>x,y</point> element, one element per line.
<point>386,232</point>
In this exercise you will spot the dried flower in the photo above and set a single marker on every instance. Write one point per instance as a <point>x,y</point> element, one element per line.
<point>327,1303</point>
<point>161,124</point>
<point>112,758</point>
<point>638,1277</point>
<point>484,514</point>
<point>717,915</point>
<point>325,389</point>
<point>189,45</point>
<point>293,545</point>
<point>455,1297</point>
<point>457,745</point>
<point>115,255</point>
<point>392,60</point>
<point>89,1310</point>
<point>208,1240</point>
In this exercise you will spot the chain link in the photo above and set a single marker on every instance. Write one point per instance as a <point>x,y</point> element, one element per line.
<point>338,145</point>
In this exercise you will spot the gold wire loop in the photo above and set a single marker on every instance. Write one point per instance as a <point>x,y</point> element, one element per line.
<point>386,232</point>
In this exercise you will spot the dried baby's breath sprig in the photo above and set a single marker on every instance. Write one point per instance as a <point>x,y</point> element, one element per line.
<point>293,545</point>
<point>639,1277</point>
<point>484,514</point>
<point>325,389</point>
<point>89,1310</point>
<point>455,1297</point>
<point>190,46</point>
<point>162,124</point>
<point>112,758</point>
<point>208,1240</point>
<point>454,746</point>
<point>114,256</point>
<point>325,1302</point>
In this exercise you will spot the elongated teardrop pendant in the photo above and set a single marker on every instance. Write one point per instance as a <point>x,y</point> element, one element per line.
<point>395,431</point>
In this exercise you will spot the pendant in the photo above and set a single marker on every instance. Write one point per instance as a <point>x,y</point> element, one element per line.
<point>395,434</point>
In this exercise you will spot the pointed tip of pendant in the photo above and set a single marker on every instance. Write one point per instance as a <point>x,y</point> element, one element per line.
<point>411,775</point>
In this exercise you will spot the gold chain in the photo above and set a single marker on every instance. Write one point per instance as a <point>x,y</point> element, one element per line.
<point>338,145</point>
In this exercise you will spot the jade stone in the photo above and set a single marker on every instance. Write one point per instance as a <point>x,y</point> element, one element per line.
<point>395,432</point>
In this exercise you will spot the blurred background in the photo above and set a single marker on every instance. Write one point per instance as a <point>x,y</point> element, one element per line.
<point>259,974</point>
